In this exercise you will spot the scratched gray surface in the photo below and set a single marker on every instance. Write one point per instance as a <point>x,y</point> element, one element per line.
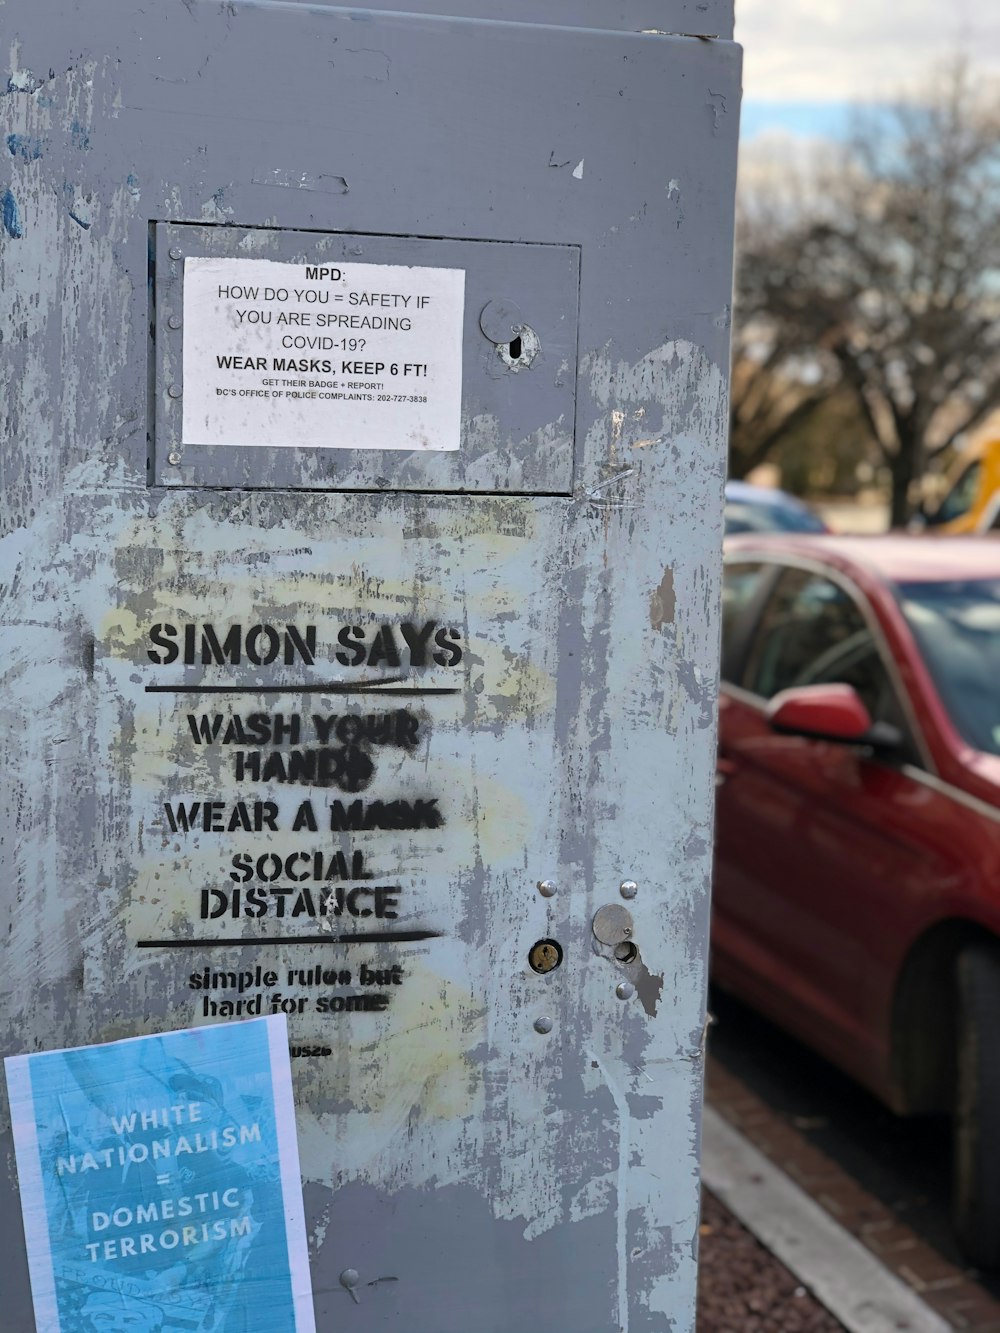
<point>497,1175</point>
<point>700,18</point>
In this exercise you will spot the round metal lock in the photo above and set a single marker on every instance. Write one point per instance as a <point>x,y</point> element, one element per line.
<point>613,924</point>
<point>545,956</point>
<point>501,321</point>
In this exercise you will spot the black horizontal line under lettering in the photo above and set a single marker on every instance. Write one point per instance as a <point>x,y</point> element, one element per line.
<point>355,937</point>
<point>336,687</point>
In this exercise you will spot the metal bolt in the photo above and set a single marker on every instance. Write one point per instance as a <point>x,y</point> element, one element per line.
<point>174,322</point>
<point>175,391</point>
<point>173,459</point>
<point>176,252</point>
<point>543,1025</point>
<point>624,990</point>
<point>349,1278</point>
<point>547,888</point>
<point>629,888</point>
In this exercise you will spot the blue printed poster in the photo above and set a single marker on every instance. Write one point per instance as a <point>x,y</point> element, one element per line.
<point>160,1184</point>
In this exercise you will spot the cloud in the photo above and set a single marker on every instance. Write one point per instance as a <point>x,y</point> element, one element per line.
<point>857,50</point>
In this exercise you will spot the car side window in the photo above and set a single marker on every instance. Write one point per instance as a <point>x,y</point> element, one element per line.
<point>807,617</point>
<point>740,583</point>
<point>813,633</point>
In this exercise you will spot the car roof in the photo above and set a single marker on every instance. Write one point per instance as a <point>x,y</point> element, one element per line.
<point>762,495</point>
<point>897,558</point>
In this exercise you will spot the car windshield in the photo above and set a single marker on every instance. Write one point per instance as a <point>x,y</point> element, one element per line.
<point>957,628</point>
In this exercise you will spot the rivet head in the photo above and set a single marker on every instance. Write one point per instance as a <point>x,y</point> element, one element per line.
<point>624,990</point>
<point>175,391</point>
<point>173,459</point>
<point>176,252</point>
<point>544,1025</point>
<point>547,888</point>
<point>349,1278</point>
<point>174,322</point>
<point>629,888</point>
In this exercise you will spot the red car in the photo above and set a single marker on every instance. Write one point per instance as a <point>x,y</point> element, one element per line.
<point>857,880</point>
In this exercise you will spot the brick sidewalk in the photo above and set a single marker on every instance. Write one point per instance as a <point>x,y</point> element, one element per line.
<point>952,1292</point>
<point>744,1289</point>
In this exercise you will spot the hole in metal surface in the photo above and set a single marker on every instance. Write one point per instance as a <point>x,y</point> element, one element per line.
<point>520,352</point>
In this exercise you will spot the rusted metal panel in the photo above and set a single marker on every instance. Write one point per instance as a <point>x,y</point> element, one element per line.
<point>483,1142</point>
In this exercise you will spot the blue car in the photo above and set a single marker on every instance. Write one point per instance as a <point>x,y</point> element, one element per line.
<point>760,509</point>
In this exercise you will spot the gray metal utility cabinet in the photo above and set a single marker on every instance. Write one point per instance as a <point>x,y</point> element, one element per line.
<point>364,377</point>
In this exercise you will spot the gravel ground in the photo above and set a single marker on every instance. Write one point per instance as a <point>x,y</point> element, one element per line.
<point>743,1289</point>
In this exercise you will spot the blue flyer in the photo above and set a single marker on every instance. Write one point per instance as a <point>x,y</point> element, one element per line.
<point>160,1185</point>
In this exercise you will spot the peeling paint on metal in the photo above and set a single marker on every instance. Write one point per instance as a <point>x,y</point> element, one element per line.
<point>579,748</point>
<point>24,147</point>
<point>717,104</point>
<point>663,602</point>
<point>11,214</point>
<point>648,988</point>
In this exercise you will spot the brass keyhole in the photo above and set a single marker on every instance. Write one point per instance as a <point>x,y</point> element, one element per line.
<point>545,956</point>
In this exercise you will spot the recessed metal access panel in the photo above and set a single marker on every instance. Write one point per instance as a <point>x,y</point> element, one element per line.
<point>328,361</point>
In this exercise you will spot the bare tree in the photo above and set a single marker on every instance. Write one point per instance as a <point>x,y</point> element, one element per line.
<point>887,279</point>
<point>779,379</point>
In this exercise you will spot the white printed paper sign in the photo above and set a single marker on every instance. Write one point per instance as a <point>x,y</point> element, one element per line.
<point>322,356</point>
<point>160,1186</point>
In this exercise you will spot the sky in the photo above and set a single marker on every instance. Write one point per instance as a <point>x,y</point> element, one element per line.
<point>807,61</point>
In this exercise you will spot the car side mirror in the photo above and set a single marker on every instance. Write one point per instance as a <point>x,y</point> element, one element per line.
<point>832,713</point>
<point>822,712</point>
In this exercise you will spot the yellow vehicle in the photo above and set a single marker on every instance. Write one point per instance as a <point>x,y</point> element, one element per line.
<point>972,500</point>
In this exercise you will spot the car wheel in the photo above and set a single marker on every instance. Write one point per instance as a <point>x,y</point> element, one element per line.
<point>976,1183</point>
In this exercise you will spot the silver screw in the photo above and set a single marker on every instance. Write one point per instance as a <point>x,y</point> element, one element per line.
<point>629,888</point>
<point>175,391</point>
<point>176,252</point>
<point>174,322</point>
<point>543,1025</point>
<point>547,888</point>
<point>173,459</point>
<point>624,990</point>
